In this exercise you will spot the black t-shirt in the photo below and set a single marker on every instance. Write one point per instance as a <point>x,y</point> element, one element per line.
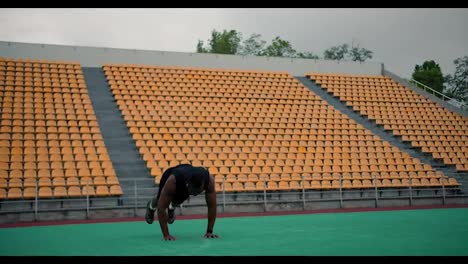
<point>182,173</point>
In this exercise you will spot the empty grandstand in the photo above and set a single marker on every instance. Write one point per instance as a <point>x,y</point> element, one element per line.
<point>87,132</point>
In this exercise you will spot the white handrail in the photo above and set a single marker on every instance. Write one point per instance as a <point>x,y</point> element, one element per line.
<point>463,105</point>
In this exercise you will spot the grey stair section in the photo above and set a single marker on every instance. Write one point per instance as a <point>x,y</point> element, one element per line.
<point>460,176</point>
<point>377,129</point>
<point>121,147</point>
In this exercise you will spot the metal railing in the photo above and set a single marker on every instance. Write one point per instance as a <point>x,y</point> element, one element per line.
<point>443,96</point>
<point>135,197</point>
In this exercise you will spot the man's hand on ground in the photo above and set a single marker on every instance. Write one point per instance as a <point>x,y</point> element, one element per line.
<point>169,237</point>
<point>211,235</point>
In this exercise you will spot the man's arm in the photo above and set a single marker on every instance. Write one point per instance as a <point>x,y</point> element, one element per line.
<point>210,197</point>
<point>167,193</point>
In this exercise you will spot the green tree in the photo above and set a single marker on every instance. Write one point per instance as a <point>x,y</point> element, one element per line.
<point>252,46</point>
<point>336,53</point>
<point>225,42</point>
<point>343,51</point>
<point>279,48</point>
<point>457,84</point>
<point>430,74</point>
<point>307,55</point>
<point>360,54</point>
<point>200,48</point>
<point>230,42</point>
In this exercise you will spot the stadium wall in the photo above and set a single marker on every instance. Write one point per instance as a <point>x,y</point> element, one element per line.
<point>97,56</point>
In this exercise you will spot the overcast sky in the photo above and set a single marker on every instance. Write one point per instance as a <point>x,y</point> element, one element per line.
<point>400,38</point>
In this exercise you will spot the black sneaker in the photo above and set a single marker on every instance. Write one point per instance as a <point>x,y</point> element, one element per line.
<point>149,216</point>
<point>170,216</point>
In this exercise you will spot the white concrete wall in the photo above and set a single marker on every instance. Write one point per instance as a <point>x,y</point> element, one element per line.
<point>96,57</point>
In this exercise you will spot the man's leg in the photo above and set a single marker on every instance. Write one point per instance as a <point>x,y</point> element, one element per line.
<point>152,205</point>
<point>171,213</point>
<point>151,209</point>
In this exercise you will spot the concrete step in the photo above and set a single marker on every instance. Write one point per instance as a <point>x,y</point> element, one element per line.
<point>126,159</point>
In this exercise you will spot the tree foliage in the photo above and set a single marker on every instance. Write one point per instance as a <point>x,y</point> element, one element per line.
<point>225,42</point>
<point>252,46</point>
<point>307,55</point>
<point>336,53</point>
<point>279,48</point>
<point>360,54</point>
<point>343,51</point>
<point>230,42</point>
<point>430,74</point>
<point>457,84</point>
